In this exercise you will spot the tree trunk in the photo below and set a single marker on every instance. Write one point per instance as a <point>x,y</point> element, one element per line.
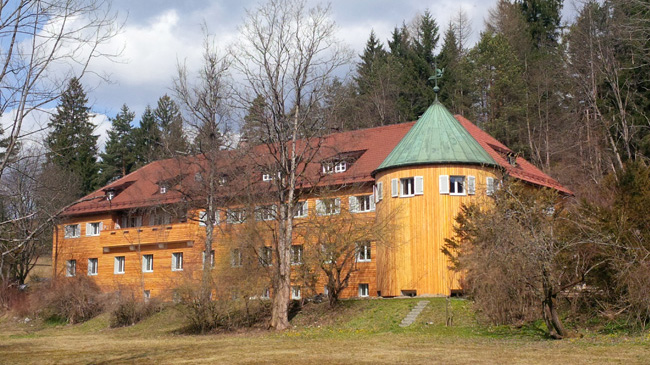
<point>282,277</point>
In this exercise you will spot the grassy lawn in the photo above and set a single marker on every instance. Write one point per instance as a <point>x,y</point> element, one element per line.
<point>362,331</point>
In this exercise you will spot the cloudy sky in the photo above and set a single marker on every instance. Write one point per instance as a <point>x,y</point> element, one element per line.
<point>158,34</point>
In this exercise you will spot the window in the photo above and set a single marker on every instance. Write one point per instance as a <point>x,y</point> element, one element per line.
<point>266,256</point>
<point>341,166</point>
<point>490,186</point>
<point>328,167</point>
<point>363,203</point>
<point>131,221</point>
<point>295,292</point>
<point>296,254</point>
<point>147,294</point>
<point>407,187</point>
<point>177,261</point>
<point>71,231</point>
<point>119,264</point>
<point>328,206</point>
<point>71,268</point>
<point>265,213</point>
<point>211,258</point>
<point>363,290</point>
<point>378,191</point>
<point>456,185</point>
<point>163,190</point>
<point>267,177</point>
<point>235,258</point>
<point>302,210</point>
<point>160,219</point>
<point>92,266</point>
<point>110,195</point>
<point>236,215</point>
<point>203,218</point>
<point>223,180</point>
<point>363,252</point>
<point>266,293</point>
<point>147,263</point>
<point>93,229</point>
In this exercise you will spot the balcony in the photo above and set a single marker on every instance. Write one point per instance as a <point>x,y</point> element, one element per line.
<point>148,236</point>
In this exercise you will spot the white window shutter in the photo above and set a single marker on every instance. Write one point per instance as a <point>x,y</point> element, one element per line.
<point>320,208</point>
<point>216,218</point>
<point>202,216</point>
<point>372,204</point>
<point>375,196</point>
<point>419,185</point>
<point>380,191</point>
<point>394,187</point>
<point>471,185</point>
<point>354,204</point>
<point>443,183</point>
<point>305,208</point>
<point>101,226</point>
<point>489,182</point>
<point>337,202</point>
<point>87,229</point>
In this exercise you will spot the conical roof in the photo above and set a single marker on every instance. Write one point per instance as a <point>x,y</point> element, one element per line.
<point>436,138</point>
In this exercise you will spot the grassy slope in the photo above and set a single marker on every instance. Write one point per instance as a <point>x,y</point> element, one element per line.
<point>361,331</point>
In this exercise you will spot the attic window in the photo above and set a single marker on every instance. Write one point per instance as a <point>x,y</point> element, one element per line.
<point>267,177</point>
<point>512,159</point>
<point>334,167</point>
<point>110,194</point>
<point>163,189</point>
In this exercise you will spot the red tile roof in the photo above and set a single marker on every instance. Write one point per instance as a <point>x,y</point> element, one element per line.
<point>141,188</point>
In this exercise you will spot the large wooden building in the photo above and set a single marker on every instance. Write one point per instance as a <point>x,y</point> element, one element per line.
<point>129,235</point>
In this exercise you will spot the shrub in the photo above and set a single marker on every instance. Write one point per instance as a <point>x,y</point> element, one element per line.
<point>71,300</point>
<point>128,310</point>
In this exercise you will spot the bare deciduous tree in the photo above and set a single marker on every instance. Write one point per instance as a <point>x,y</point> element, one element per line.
<point>287,54</point>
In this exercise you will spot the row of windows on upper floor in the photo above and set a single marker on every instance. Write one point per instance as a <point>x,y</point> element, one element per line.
<point>363,254</point>
<point>405,187</point>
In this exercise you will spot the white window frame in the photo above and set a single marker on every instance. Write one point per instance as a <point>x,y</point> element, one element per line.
<point>236,257</point>
<point>90,229</point>
<point>265,213</point>
<point>131,221</point>
<point>296,254</point>
<point>177,261</point>
<point>71,268</point>
<point>76,232</point>
<point>341,166</point>
<point>490,186</point>
<point>323,206</point>
<point>327,168</point>
<point>364,290</point>
<point>147,263</point>
<point>302,210</point>
<point>211,258</point>
<point>146,294</point>
<point>407,187</point>
<point>163,189</point>
<point>362,204</point>
<point>454,185</point>
<point>267,177</point>
<point>119,265</point>
<point>236,216</point>
<point>378,191</point>
<point>364,252</point>
<point>93,266</point>
<point>202,216</point>
<point>295,292</point>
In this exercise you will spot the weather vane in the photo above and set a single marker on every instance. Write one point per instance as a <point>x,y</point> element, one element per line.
<point>435,77</point>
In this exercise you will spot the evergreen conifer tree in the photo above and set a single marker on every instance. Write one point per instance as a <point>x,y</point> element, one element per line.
<point>169,120</point>
<point>118,158</point>
<point>71,142</point>
<point>147,139</point>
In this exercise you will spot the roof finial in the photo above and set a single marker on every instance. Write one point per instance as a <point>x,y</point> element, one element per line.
<point>435,77</point>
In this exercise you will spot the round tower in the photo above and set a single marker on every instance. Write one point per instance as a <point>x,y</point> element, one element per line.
<point>433,170</point>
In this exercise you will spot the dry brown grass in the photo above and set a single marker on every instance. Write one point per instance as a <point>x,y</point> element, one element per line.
<point>155,340</point>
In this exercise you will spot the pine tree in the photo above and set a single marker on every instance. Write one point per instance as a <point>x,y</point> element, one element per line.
<point>169,120</point>
<point>372,60</point>
<point>148,139</point>
<point>71,142</point>
<point>118,158</point>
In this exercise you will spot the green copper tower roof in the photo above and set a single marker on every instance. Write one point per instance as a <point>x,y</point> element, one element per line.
<point>437,138</point>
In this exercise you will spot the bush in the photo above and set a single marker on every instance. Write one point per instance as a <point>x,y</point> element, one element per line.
<point>71,300</point>
<point>129,311</point>
<point>205,314</point>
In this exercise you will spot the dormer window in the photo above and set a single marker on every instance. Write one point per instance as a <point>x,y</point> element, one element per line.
<point>163,189</point>
<point>267,177</point>
<point>340,167</point>
<point>110,195</point>
<point>512,159</point>
<point>223,180</point>
<point>328,168</point>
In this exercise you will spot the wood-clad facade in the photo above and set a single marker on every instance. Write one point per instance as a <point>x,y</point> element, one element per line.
<point>413,177</point>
